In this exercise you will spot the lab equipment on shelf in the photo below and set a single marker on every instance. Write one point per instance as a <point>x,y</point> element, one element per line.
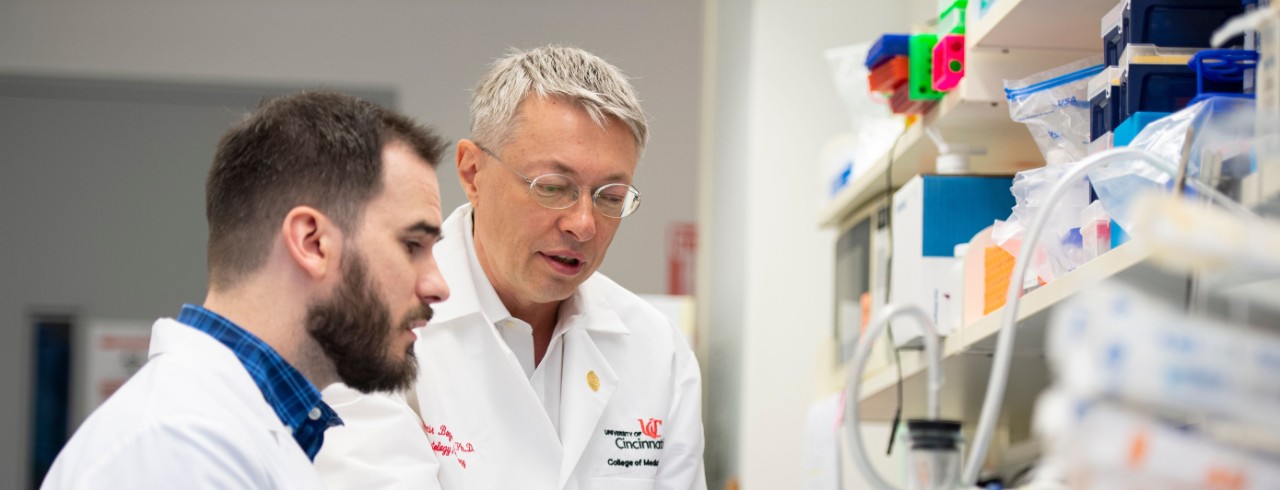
<point>948,62</point>
<point>920,81</point>
<point>1165,23</point>
<point>951,19</point>
<point>887,47</point>
<point>931,215</point>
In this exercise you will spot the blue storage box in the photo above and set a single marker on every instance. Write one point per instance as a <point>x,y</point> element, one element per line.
<point>1127,130</point>
<point>1185,23</point>
<point>885,48</point>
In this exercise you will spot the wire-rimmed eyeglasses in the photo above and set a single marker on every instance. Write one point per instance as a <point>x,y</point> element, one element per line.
<point>556,191</point>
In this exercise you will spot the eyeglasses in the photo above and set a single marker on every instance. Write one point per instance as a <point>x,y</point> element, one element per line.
<point>555,191</point>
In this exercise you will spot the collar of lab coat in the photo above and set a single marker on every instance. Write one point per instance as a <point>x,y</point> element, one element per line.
<point>587,308</point>
<point>586,313</point>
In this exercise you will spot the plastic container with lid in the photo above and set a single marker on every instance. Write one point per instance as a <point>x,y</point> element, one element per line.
<point>948,62</point>
<point>889,75</point>
<point>1103,116</point>
<point>886,48</point>
<point>1168,23</point>
<point>1113,34</point>
<point>935,455</point>
<point>920,81</point>
<point>1188,23</point>
<point>1158,79</point>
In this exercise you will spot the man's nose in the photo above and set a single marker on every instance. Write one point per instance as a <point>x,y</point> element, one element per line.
<point>431,287</point>
<point>581,219</point>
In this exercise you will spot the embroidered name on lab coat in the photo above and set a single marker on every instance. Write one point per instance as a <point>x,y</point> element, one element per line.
<point>443,444</point>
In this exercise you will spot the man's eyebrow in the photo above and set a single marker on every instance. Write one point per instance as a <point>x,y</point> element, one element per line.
<point>424,228</point>
<point>561,168</point>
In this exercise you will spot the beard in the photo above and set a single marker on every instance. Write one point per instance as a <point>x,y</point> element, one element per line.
<point>353,328</point>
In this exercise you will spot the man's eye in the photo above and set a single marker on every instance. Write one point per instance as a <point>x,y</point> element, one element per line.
<point>413,245</point>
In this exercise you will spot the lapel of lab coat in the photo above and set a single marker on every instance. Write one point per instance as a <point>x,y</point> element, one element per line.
<point>588,380</point>
<point>588,314</point>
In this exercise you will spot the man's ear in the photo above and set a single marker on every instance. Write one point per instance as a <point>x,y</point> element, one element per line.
<point>469,156</point>
<point>314,242</point>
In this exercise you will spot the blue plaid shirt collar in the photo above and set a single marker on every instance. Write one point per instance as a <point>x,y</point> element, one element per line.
<point>295,400</point>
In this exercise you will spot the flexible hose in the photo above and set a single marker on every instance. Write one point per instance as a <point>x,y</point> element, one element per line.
<point>933,355</point>
<point>999,379</point>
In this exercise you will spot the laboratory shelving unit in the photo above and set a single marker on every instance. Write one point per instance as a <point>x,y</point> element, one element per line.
<point>1013,39</point>
<point>967,353</point>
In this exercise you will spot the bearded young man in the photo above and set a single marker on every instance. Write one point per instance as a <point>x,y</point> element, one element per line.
<point>323,210</point>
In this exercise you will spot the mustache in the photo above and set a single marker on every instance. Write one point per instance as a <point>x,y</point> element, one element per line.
<point>422,313</point>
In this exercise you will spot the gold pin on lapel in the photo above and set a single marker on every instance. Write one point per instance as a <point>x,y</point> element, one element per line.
<point>593,381</point>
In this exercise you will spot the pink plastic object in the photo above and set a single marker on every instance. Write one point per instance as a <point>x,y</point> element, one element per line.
<point>948,62</point>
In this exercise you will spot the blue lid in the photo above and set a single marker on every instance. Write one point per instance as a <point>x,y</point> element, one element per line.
<point>1221,66</point>
<point>885,48</point>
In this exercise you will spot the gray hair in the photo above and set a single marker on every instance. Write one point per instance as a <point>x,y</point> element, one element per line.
<point>556,71</point>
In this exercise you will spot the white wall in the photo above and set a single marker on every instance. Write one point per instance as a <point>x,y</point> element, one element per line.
<point>429,53</point>
<point>769,294</point>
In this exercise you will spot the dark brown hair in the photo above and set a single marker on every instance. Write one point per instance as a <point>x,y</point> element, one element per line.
<point>317,148</point>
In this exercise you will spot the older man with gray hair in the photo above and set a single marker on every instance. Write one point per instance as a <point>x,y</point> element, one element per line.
<point>539,372</point>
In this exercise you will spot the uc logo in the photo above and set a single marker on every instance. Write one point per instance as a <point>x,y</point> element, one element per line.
<point>650,428</point>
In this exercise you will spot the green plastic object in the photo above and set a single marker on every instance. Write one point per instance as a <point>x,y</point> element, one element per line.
<point>951,20</point>
<point>943,5</point>
<point>920,75</point>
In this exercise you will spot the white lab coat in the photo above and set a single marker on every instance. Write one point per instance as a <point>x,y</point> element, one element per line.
<point>190,418</point>
<point>381,445</point>
<point>628,375</point>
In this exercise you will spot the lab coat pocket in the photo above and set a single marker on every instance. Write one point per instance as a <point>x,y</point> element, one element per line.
<point>621,483</point>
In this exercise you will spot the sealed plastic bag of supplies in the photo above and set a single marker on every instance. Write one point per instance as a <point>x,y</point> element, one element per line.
<point>1215,139</point>
<point>872,126</point>
<point>1055,107</point>
<point>1060,248</point>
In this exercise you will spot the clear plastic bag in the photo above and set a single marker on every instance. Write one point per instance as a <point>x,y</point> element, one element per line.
<point>1060,249</point>
<point>1055,107</point>
<point>1219,154</point>
<point>872,126</point>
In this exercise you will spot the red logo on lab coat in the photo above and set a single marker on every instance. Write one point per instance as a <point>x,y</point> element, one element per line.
<point>650,428</point>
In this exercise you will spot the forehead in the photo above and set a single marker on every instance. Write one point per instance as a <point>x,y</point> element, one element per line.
<point>555,134</point>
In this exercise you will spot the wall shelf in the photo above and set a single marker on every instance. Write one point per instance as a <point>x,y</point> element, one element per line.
<point>961,119</point>
<point>967,353</point>
<point>975,113</point>
<point>1013,24</point>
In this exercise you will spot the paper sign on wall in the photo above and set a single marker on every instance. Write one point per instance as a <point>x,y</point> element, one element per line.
<point>112,352</point>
